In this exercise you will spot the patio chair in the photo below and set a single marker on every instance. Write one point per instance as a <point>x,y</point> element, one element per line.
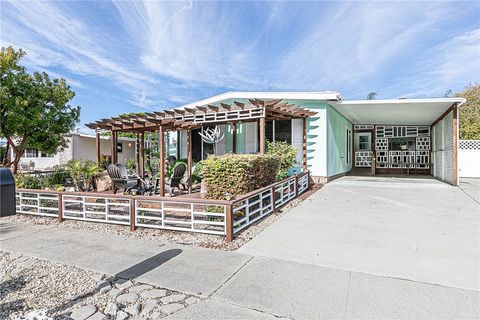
<point>124,172</point>
<point>121,181</point>
<point>185,180</point>
<point>175,180</point>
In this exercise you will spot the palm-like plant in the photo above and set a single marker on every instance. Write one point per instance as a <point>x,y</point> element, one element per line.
<point>82,171</point>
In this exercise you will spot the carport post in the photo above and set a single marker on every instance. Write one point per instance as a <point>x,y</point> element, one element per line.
<point>455,144</point>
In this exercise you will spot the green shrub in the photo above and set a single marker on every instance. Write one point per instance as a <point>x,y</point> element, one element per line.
<point>28,181</point>
<point>130,164</point>
<point>286,154</point>
<point>237,174</point>
<point>58,177</point>
<point>105,160</point>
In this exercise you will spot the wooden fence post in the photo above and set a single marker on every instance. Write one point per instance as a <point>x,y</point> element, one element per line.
<point>273,199</point>
<point>132,214</point>
<point>296,185</point>
<point>229,222</point>
<point>60,208</point>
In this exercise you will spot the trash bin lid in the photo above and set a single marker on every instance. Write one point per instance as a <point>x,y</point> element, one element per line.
<point>6,177</point>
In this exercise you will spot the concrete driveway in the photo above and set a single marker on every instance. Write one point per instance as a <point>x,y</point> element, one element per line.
<point>416,229</point>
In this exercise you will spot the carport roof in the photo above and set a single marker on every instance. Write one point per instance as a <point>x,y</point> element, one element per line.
<point>395,111</point>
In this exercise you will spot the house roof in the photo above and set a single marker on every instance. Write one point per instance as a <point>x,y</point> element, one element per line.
<point>395,111</point>
<point>232,95</point>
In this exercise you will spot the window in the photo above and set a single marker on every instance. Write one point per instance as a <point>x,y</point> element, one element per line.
<point>46,155</point>
<point>31,153</point>
<point>348,146</point>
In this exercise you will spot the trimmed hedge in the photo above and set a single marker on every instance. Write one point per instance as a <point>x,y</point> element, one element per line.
<point>237,174</point>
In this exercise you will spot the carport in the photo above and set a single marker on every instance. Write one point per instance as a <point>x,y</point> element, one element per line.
<point>405,136</point>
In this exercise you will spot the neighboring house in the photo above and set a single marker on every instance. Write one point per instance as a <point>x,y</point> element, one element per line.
<point>80,146</point>
<point>396,136</point>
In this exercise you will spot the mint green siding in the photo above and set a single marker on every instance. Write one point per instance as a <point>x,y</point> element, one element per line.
<point>336,142</point>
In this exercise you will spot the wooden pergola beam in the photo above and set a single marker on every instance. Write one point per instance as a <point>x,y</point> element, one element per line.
<point>174,119</point>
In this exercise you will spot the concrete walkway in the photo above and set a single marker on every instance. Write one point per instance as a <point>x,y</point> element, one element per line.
<point>243,286</point>
<point>417,229</point>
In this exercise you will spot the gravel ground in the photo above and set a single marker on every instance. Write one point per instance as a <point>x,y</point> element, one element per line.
<point>32,288</point>
<point>187,238</point>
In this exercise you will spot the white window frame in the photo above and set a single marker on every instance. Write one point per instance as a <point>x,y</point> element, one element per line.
<point>26,155</point>
<point>348,146</point>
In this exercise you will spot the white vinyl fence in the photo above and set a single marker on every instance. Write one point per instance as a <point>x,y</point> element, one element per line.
<point>469,158</point>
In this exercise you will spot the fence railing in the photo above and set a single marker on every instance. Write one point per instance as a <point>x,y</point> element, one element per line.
<point>38,202</point>
<point>257,204</point>
<point>187,214</point>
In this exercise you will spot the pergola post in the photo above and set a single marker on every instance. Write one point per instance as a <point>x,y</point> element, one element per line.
<point>114,147</point>
<point>97,144</point>
<point>161,151</point>
<point>137,153</point>
<point>189,159</point>
<point>304,145</point>
<point>142,154</point>
<point>262,135</point>
<point>234,137</point>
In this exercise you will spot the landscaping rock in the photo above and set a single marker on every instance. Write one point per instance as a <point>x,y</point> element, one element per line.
<point>153,294</point>
<point>170,308</point>
<point>121,315</point>
<point>148,307</point>
<point>122,284</point>
<point>133,309</point>
<point>84,312</point>
<point>173,298</point>
<point>111,309</point>
<point>127,298</point>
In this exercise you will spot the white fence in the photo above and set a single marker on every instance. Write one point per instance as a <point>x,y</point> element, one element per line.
<point>200,217</point>
<point>96,208</point>
<point>187,214</point>
<point>37,203</point>
<point>469,158</point>
<point>258,204</point>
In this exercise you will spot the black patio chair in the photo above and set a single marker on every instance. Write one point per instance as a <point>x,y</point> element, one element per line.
<point>175,180</point>
<point>121,181</point>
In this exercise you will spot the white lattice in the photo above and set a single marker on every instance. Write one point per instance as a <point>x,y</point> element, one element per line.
<point>382,159</point>
<point>363,126</point>
<point>469,144</point>
<point>402,131</point>
<point>381,144</point>
<point>423,143</point>
<point>363,158</point>
<point>423,159</point>
<point>395,159</point>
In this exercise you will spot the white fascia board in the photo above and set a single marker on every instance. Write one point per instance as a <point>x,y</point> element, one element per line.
<point>326,95</point>
<point>460,101</point>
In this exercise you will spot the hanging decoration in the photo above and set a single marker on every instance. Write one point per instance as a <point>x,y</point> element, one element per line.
<point>212,136</point>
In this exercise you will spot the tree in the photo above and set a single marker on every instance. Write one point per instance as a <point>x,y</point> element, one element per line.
<point>371,96</point>
<point>470,113</point>
<point>34,109</point>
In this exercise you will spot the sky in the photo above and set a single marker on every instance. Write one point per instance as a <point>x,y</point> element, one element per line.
<point>132,56</point>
